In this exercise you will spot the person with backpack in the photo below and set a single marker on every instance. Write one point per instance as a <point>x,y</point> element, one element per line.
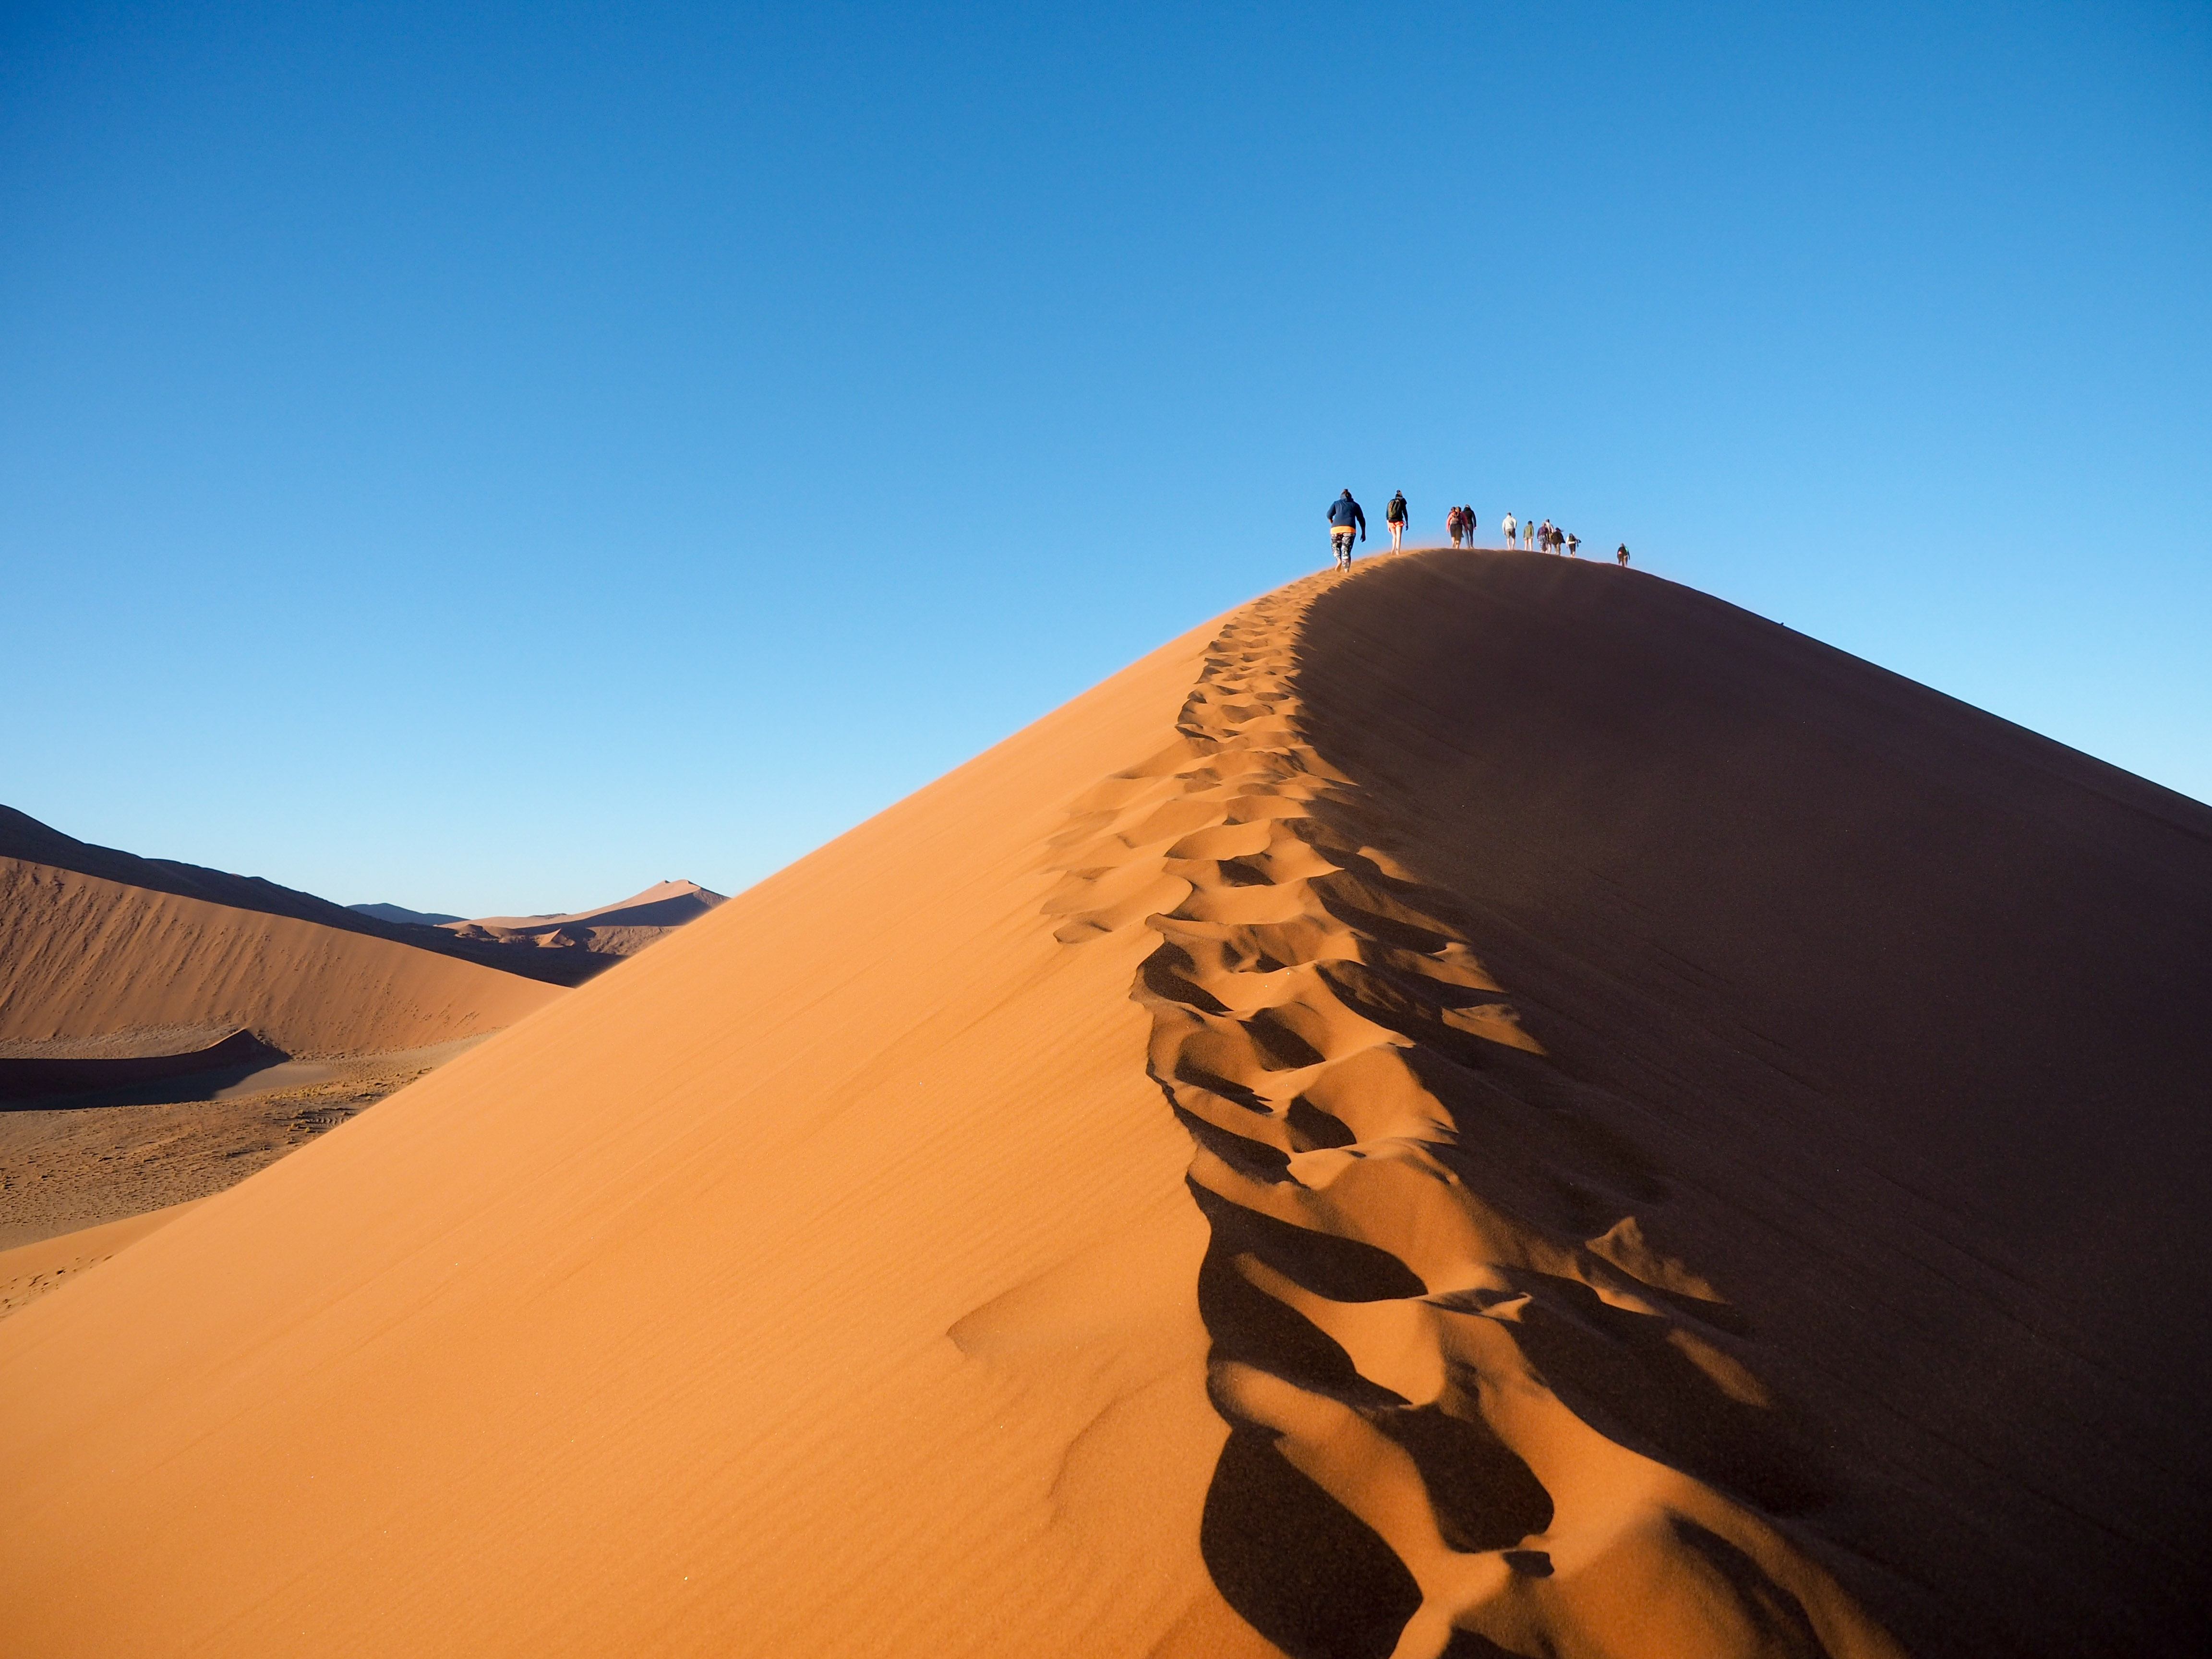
<point>1344,518</point>
<point>1571,545</point>
<point>1395,516</point>
<point>1544,536</point>
<point>1621,557</point>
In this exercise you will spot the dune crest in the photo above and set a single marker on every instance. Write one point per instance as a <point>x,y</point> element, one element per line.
<point>1392,1175</point>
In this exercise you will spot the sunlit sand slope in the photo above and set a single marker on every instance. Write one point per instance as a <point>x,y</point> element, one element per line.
<point>820,1281</point>
<point>83,956</point>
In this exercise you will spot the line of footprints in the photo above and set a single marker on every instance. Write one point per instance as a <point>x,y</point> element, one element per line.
<point>1421,1229</point>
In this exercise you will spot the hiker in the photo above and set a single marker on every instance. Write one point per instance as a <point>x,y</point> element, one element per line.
<point>1395,516</point>
<point>1451,525</point>
<point>1508,528</point>
<point>1544,537</point>
<point>1571,545</point>
<point>1527,535</point>
<point>1467,524</point>
<point>1621,557</point>
<point>1344,519</point>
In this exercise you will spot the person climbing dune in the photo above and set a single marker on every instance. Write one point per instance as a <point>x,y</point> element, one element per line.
<point>1508,528</point>
<point>1395,516</point>
<point>1344,518</point>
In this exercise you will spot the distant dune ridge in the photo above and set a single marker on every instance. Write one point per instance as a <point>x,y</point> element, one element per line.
<point>620,929</point>
<point>1492,1105</point>
<point>83,956</point>
<point>24,839</point>
<point>400,913</point>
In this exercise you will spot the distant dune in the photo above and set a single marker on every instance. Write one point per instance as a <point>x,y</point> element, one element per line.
<point>402,914</point>
<point>620,929</point>
<point>81,956</point>
<point>1492,1106</point>
<point>24,838</point>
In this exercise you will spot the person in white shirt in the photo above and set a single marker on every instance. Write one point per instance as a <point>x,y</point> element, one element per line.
<point>1509,530</point>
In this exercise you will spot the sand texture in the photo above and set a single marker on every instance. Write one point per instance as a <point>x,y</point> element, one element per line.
<point>28,1271</point>
<point>1489,1106</point>
<point>81,955</point>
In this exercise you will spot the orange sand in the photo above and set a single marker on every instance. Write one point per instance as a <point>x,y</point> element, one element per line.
<point>1694,1146</point>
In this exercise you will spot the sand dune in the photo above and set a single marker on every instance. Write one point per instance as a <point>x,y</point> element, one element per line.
<point>620,929</point>
<point>1491,1106</point>
<point>24,838</point>
<point>83,956</point>
<point>400,913</point>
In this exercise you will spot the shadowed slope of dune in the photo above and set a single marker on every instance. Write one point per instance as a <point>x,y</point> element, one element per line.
<point>1904,1012</point>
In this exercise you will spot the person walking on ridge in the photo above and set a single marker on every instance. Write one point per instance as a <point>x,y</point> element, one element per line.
<point>1571,545</point>
<point>1395,516</point>
<point>1508,528</point>
<point>1451,525</point>
<point>1466,520</point>
<point>1344,518</point>
<point>1621,557</point>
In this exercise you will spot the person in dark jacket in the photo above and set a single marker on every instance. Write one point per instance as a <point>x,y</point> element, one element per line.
<point>1395,516</point>
<point>1344,518</point>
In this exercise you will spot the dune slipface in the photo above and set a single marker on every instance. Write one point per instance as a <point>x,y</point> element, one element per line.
<point>1488,1106</point>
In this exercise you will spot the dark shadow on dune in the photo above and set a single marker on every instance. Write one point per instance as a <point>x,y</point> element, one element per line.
<point>1617,1371</point>
<point>134,1079</point>
<point>1312,1127</point>
<point>1300,1568</point>
<point>1342,1269</point>
<point>1254,1159</point>
<point>1484,1497</point>
<point>1166,974</point>
<point>1784,1630</point>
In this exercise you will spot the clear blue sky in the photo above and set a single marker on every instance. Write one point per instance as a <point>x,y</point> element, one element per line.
<point>491,458</point>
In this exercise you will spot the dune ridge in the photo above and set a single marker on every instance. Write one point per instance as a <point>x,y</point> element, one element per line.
<point>1548,1116</point>
<point>1399,1189</point>
<point>620,929</point>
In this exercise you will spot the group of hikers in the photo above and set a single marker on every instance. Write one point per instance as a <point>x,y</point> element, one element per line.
<point>1347,521</point>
